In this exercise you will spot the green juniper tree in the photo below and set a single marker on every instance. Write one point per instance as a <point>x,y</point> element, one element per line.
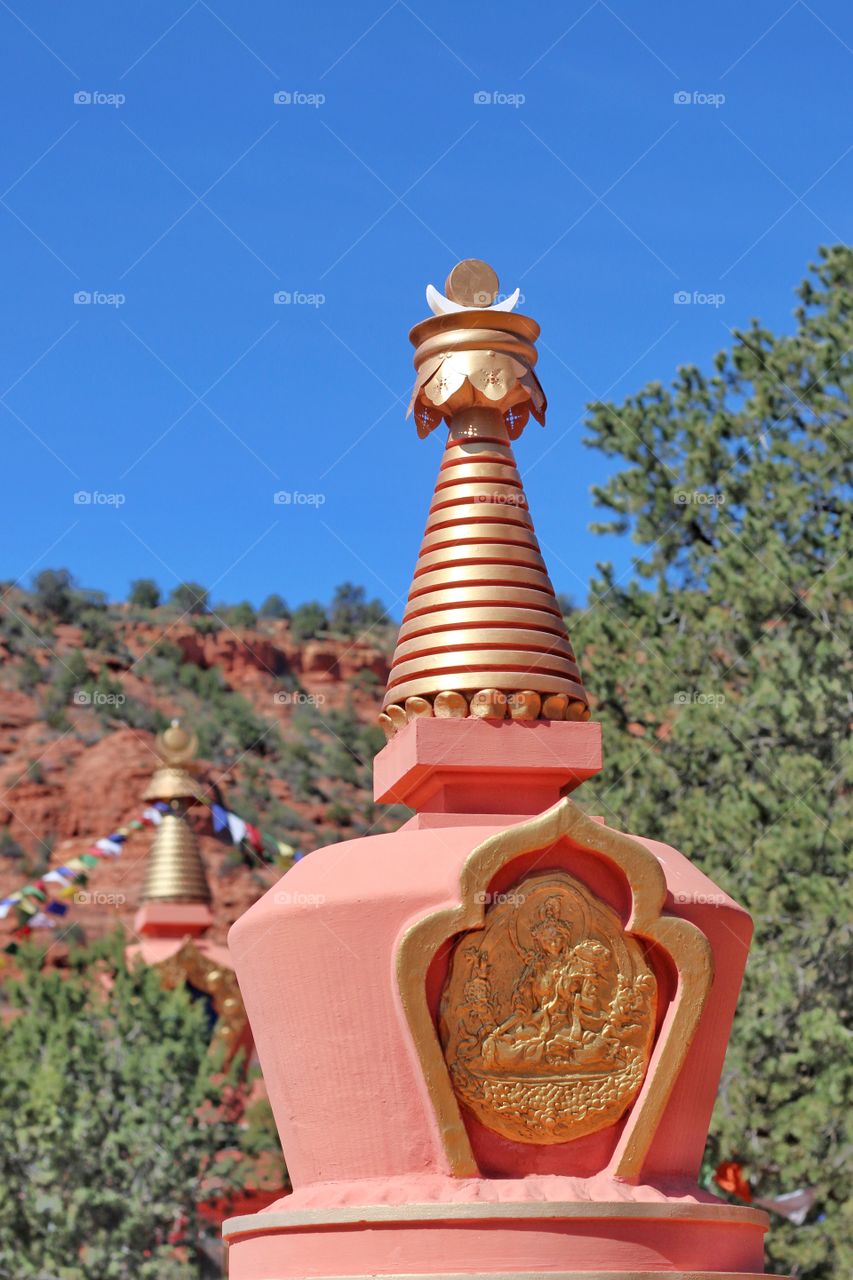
<point>241,615</point>
<point>115,1116</point>
<point>724,688</point>
<point>274,607</point>
<point>308,621</point>
<point>144,593</point>
<point>54,595</point>
<point>351,612</point>
<point>190,597</point>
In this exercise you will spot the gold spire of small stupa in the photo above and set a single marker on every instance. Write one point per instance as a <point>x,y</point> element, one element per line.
<point>175,871</point>
<point>482,633</point>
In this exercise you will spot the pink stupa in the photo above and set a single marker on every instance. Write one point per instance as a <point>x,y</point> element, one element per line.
<point>492,1040</point>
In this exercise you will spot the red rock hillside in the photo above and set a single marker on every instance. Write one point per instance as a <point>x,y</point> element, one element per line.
<point>286,728</point>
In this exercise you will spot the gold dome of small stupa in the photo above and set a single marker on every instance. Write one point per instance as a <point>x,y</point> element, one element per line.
<point>175,871</point>
<point>174,779</point>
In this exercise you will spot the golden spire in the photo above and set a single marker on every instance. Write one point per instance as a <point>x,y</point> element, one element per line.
<point>482,633</point>
<point>175,871</point>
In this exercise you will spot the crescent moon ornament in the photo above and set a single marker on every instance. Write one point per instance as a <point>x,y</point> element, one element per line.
<point>440,305</point>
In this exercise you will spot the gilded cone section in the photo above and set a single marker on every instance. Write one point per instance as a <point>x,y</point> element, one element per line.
<point>175,871</point>
<point>482,633</point>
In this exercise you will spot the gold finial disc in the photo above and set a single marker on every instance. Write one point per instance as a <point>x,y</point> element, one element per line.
<point>472,283</point>
<point>175,745</point>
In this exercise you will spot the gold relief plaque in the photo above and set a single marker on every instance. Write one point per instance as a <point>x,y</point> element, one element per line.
<point>470,923</point>
<point>548,1014</point>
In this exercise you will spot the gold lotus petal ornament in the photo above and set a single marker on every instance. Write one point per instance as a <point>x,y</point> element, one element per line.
<point>489,704</point>
<point>450,706</point>
<point>554,707</point>
<point>416,707</point>
<point>397,715</point>
<point>386,724</point>
<point>525,705</point>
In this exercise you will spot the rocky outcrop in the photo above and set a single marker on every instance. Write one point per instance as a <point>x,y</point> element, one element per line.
<point>242,659</point>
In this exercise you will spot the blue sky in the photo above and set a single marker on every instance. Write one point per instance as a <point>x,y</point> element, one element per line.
<point>185,197</point>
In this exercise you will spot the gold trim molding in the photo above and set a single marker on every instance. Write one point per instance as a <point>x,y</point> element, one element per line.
<point>687,947</point>
<point>675,1211</point>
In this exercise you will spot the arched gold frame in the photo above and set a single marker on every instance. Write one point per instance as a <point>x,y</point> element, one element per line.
<point>191,965</point>
<point>687,947</point>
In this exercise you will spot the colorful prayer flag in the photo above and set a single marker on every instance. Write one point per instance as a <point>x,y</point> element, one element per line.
<point>729,1176</point>
<point>219,818</point>
<point>793,1205</point>
<point>237,827</point>
<point>254,838</point>
<point>41,920</point>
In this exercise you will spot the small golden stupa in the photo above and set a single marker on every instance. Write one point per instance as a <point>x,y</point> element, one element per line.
<point>175,910</point>
<point>175,871</point>
<point>483,633</point>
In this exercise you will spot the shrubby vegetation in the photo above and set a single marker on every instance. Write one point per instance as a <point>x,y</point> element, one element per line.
<point>308,621</point>
<point>56,597</point>
<point>190,597</point>
<point>242,615</point>
<point>145,593</point>
<point>118,1124</point>
<point>351,612</point>
<point>70,681</point>
<point>225,722</point>
<point>724,688</point>
<point>274,607</point>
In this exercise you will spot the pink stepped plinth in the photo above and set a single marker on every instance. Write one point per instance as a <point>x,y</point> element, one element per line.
<point>390,1176</point>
